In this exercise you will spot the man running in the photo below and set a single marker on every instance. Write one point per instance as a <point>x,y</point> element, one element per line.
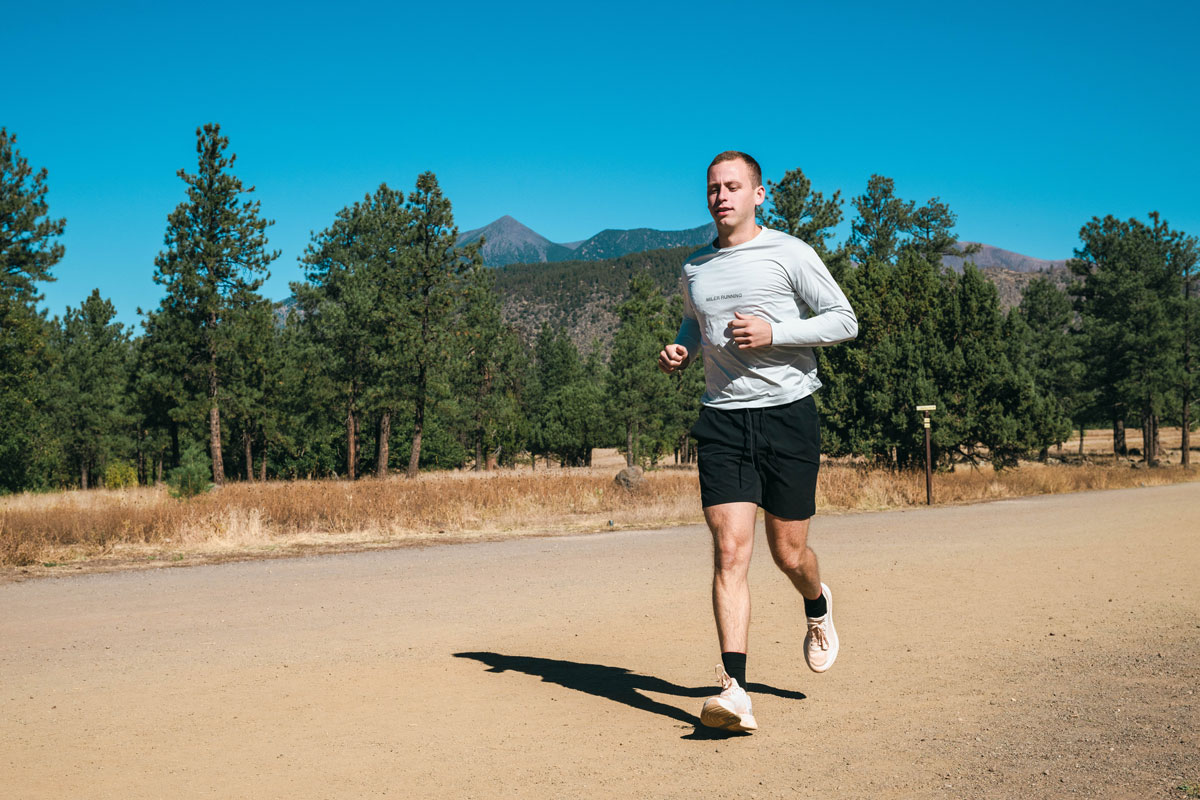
<point>756,302</point>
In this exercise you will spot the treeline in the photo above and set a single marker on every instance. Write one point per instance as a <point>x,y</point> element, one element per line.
<point>397,355</point>
<point>1116,347</point>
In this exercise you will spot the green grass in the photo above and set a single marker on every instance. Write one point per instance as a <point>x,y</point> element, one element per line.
<point>1189,789</point>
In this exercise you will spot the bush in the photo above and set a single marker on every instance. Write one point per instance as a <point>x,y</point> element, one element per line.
<point>120,475</point>
<point>192,475</point>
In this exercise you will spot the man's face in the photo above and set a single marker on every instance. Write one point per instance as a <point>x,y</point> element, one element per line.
<point>732,195</point>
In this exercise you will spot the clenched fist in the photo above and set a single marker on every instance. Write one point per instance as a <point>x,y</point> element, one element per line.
<point>672,357</point>
<point>750,331</point>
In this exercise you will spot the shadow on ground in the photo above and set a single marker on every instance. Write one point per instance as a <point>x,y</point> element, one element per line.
<point>619,685</point>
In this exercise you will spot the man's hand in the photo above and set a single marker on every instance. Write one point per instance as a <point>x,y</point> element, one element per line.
<point>750,331</point>
<point>672,357</point>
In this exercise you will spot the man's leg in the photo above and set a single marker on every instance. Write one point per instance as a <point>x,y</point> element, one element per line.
<point>788,539</point>
<point>732,526</point>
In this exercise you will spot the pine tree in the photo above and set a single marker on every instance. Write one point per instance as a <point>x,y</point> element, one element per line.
<point>683,410</point>
<point>883,218</point>
<point>28,251</point>
<point>1178,255</point>
<point>435,283</point>
<point>557,367</point>
<point>248,364</point>
<point>490,372</point>
<point>353,304</point>
<point>1054,357</point>
<point>639,394</point>
<point>1126,297</point>
<point>796,209</point>
<point>215,262</point>
<point>92,375</point>
<point>165,396</point>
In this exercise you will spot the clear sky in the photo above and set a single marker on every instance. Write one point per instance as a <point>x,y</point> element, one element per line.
<point>1026,118</point>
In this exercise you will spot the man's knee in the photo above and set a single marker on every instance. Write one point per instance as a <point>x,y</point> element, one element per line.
<point>792,559</point>
<point>732,553</point>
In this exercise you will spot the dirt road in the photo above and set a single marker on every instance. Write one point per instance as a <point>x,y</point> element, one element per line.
<point>1043,647</point>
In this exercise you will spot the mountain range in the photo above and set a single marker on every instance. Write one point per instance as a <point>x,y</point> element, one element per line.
<point>507,241</point>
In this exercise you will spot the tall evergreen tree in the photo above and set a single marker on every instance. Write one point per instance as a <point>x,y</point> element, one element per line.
<point>249,363</point>
<point>639,393</point>
<point>796,209</point>
<point>354,304</point>
<point>883,219</point>
<point>215,262</point>
<point>1179,253</point>
<point>1054,358</point>
<point>165,396</point>
<point>557,367</point>
<point>435,283</point>
<point>490,373</point>
<point>28,250</point>
<point>1126,295</point>
<point>91,378</point>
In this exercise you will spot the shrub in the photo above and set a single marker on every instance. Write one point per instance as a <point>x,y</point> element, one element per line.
<point>191,477</point>
<point>120,475</point>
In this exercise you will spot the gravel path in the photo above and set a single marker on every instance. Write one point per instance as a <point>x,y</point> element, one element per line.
<point>1042,647</point>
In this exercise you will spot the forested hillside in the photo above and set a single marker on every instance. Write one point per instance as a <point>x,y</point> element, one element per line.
<point>582,296</point>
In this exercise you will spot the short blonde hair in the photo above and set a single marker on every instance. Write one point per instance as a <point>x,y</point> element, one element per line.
<point>734,155</point>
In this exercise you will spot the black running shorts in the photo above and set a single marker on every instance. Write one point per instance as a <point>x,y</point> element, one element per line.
<point>768,456</point>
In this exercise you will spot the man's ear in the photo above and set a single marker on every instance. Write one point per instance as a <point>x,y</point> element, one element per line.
<point>760,195</point>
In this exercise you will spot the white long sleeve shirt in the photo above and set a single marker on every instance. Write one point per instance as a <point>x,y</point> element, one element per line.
<point>776,277</point>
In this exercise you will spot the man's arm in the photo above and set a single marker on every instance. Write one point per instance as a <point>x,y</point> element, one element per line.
<point>833,319</point>
<point>683,350</point>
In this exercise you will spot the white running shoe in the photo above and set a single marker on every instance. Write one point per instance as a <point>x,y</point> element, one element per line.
<point>730,710</point>
<point>821,641</point>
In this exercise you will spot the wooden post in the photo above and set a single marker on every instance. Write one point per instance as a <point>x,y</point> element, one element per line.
<point>928,455</point>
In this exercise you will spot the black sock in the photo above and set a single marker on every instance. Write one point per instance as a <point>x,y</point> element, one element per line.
<point>815,608</point>
<point>735,666</point>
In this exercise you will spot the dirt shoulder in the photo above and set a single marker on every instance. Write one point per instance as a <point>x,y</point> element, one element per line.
<point>1039,647</point>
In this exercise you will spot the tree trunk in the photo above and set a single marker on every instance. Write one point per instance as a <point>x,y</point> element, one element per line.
<point>351,445</point>
<point>214,427</point>
<point>587,459</point>
<point>1081,441</point>
<point>383,438</point>
<point>143,478</point>
<point>1153,437</point>
<point>414,458</point>
<point>83,475</point>
<point>629,443</point>
<point>174,448</point>
<point>478,451</point>
<point>1119,447</point>
<point>249,458</point>
<point>1185,444</point>
<point>1147,441</point>
<point>262,465</point>
<point>158,469</point>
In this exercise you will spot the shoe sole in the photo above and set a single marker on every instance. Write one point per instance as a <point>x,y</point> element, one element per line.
<point>717,716</point>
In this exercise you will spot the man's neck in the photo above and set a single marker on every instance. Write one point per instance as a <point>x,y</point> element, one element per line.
<point>737,236</point>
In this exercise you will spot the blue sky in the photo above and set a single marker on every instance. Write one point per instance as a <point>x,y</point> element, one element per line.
<point>1026,118</point>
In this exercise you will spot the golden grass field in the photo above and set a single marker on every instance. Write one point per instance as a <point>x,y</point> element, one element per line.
<point>99,528</point>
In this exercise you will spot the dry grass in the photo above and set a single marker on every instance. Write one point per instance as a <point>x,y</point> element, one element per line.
<point>39,532</point>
